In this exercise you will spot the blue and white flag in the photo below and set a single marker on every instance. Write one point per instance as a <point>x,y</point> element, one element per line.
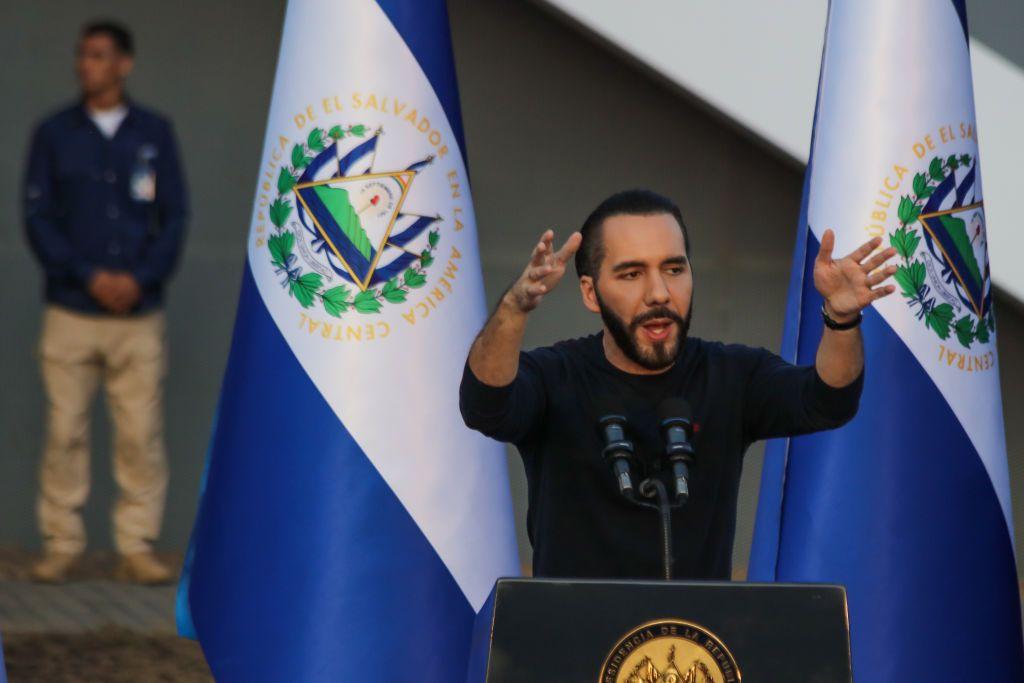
<point>350,525</point>
<point>908,506</point>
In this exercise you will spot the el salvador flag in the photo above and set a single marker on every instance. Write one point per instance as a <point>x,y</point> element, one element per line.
<point>350,526</point>
<point>908,506</point>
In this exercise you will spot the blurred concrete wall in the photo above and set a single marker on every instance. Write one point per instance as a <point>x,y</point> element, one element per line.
<point>554,123</point>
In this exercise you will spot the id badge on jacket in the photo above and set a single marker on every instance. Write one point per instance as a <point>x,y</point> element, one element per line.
<point>143,180</point>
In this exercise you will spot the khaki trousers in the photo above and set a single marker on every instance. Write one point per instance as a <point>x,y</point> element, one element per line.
<point>129,355</point>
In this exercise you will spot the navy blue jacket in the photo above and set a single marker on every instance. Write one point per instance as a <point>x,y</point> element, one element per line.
<point>90,203</point>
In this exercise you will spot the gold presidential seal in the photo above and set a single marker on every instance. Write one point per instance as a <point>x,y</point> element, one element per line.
<point>669,651</point>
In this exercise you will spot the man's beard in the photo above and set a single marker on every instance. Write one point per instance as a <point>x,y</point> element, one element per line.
<point>661,354</point>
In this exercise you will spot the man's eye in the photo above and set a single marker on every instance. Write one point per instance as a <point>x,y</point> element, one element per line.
<point>676,270</point>
<point>631,275</point>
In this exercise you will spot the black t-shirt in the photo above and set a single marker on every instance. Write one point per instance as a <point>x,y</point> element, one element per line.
<point>578,523</point>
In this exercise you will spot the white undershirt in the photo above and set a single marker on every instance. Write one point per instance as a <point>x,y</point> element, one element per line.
<point>109,120</point>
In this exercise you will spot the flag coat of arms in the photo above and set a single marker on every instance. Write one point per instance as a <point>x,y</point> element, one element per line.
<point>908,506</point>
<point>348,517</point>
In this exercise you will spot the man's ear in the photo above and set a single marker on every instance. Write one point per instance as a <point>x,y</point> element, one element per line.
<point>589,293</point>
<point>125,66</point>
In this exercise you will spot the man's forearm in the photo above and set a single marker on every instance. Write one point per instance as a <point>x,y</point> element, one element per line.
<point>840,358</point>
<point>162,256</point>
<point>494,356</point>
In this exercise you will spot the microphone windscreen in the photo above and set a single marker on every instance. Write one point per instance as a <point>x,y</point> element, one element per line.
<point>674,407</point>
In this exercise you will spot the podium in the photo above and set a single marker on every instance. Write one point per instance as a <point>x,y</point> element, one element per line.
<point>586,631</point>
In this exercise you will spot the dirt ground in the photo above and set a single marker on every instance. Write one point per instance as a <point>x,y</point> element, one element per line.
<point>107,656</point>
<point>110,655</point>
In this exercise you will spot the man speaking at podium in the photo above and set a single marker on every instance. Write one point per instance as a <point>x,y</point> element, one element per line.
<point>633,261</point>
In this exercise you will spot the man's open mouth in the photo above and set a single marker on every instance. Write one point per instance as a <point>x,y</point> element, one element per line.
<point>657,329</point>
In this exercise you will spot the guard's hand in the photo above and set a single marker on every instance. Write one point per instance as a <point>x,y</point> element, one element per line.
<point>851,283</point>
<point>127,294</point>
<point>543,273</point>
<point>118,293</point>
<point>103,288</point>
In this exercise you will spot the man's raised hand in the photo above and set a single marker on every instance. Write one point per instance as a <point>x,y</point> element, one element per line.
<point>851,283</point>
<point>543,273</point>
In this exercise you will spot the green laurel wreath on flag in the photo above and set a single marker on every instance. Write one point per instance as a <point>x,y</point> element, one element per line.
<point>911,274</point>
<point>308,288</point>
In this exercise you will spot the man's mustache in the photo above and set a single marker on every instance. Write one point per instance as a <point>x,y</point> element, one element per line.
<point>654,314</point>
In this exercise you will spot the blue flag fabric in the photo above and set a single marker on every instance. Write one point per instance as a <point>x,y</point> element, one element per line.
<point>350,526</point>
<point>908,506</point>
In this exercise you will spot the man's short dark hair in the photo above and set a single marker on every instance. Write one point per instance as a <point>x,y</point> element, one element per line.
<point>118,34</point>
<point>629,203</point>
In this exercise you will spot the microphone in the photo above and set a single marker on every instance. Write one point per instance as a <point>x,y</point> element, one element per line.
<point>676,420</point>
<point>618,450</point>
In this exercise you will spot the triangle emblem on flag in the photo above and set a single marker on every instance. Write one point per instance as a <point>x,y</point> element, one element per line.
<point>355,216</point>
<point>959,234</point>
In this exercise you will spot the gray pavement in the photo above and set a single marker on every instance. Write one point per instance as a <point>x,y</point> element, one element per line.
<point>83,606</point>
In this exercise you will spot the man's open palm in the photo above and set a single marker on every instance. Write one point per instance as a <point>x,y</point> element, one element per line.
<point>851,283</point>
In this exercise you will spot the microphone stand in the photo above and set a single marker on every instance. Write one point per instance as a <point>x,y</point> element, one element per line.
<point>651,488</point>
<point>620,451</point>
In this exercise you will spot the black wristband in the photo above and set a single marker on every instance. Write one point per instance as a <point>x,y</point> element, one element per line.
<point>833,325</point>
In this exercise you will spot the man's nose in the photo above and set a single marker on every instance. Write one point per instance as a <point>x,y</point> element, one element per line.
<point>657,291</point>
